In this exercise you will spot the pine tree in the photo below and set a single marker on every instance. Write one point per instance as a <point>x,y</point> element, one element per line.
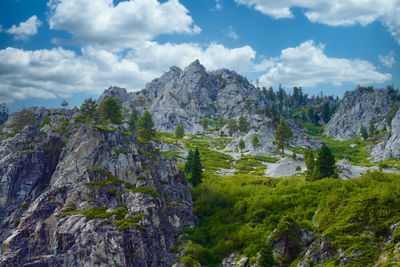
<point>266,256</point>
<point>111,110</point>
<point>145,127</point>
<point>133,118</point>
<point>326,114</point>
<point>196,168</point>
<point>363,132</point>
<point>310,162</point>
<point>88,107</point>
<point>179,131</point>
<point>241,144</point>
<point>371,128</point>
<point>255,141</point>
<point>325,164</point>
<point>282,136</point>
<point>188,165</point>
<point>232,126</point>
<point>243,125</point>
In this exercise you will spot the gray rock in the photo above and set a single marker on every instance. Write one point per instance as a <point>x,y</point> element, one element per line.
<point>390,148</point>
<point>358,108</point>
<point>51,229</point>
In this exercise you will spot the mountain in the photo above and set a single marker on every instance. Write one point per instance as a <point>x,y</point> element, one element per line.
<point>360,107</point>
<point>186,96</point>
<point>78,195</point>
<point>78,190</point>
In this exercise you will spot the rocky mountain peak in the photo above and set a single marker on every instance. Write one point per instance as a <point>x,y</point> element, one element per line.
<point>194,67</point>
<point>360,107</point>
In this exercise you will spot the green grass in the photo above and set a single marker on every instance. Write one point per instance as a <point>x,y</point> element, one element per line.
<point>210,159</point>
<point>237,213</point>
<point>124,224</point>
<point>110,179</point>
<point>357,155</point>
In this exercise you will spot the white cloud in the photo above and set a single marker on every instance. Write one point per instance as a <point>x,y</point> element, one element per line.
<point>387,60</point>
<point>232,33</point>
<point>102,24</point>
<point>25,29</point>
<point>59,72</point>
<point>307,65</point>
<point>335,13</point>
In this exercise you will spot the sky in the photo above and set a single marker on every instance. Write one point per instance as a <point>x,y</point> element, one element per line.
<point>73,49</point>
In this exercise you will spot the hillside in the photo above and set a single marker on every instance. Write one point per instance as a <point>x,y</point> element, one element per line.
<point>91,189</point>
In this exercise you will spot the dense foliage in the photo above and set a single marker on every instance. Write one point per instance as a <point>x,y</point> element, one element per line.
<point>237,213</point>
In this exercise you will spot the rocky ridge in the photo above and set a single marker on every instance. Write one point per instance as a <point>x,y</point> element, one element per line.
<point>88,195</point>
<point>359,107</point>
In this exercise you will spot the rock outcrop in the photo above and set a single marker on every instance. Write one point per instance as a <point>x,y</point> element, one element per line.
<point>359,107</point>
<point>390,148</point>
<point>91,195</point>
<point>186,96</point>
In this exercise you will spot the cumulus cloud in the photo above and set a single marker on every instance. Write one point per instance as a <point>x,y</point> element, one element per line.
<point>61,73</point>
<point>387,60</point>
<point>101,23</point>
<point>307,65</point>
<point>335,13</point>
<point>25,29</point>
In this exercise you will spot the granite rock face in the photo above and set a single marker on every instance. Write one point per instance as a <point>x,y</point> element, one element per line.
<point>94,197</point>
<point>357,108</point>
<point>186,96</point>
<point>390,148</point>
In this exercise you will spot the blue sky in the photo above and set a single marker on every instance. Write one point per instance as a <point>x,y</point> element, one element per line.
<point>72,49</point>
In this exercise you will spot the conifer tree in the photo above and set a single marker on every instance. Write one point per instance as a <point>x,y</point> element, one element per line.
<point>197,169</point>
<point>243,125</point>
<point>266,256</point>
<point>179,131</point>
<point>232,126</point>
<point>324,165</point>
<point>371,128</point>
<point>310,162</point>
<point>282,136</point>
<point>133,118</point>
<point>111,110</point>
<point>145,127</point>
<point>188,165</point>
<point>255,141</point>
<point>242,145</point>
<point>363,132</point>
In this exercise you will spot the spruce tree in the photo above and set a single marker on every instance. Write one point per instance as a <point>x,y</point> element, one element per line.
<point>145,127</point>
<point>325,164</point>
<point>232,126</point>
<point>241,144</point>
<point>255,141</point>
<point>133,118</point>
<point>179,131</point>
<point>326,114</point>
<point>196,167</point>
<point>363,132</point>
<point>188,165</point>
<point>282,136</point>
<point>88,107</point>
<point>310,162</point>
<point>243,125</point>
<point>111,110</point>
<point>266,256</point>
